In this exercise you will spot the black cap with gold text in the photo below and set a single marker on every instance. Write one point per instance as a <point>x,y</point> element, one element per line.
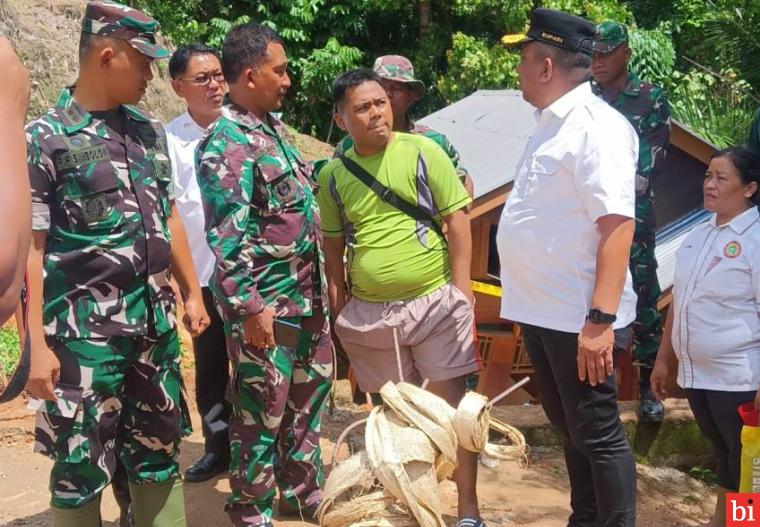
<point>558,29</point>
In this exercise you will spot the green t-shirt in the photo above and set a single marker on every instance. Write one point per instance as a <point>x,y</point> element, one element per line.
<point>390,256</point>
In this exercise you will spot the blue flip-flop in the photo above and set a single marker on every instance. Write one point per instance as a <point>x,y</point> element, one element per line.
<point>470,522</point>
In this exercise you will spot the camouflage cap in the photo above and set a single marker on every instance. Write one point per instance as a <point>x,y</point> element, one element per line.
<point>609,35</point>
<point>110,19</point>
<point>398,68</point>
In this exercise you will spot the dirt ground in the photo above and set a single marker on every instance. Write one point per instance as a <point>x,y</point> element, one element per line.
<point>535,495</point>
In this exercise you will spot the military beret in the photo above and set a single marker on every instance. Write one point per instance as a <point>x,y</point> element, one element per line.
<point>558,29</point>
<point>609,35</point>
<point>109,19</point>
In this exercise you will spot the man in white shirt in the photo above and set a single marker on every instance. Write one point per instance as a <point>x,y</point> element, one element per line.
<point>564,241</point>
<point>196,74</point>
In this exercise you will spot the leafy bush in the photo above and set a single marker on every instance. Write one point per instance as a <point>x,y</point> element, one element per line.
<point>474,65</point>
<point>9,350</point>
<point>719,108</point>
<point>312,109</point>
<point>654,56</point>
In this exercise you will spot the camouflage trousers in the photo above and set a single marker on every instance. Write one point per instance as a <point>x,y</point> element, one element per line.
<point>117,396</point>
<point>647,328</point>
<point>278,396</point>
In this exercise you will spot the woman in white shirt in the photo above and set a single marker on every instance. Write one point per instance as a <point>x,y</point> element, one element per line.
<point>712,335</point>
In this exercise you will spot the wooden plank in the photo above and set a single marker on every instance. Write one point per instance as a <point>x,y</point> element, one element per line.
<point>490,201</point>
<point>479,266</point>
<point>691,144</point>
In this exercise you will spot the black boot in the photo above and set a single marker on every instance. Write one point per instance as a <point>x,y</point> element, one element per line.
<point>650,409</point>
<point>207,467</point>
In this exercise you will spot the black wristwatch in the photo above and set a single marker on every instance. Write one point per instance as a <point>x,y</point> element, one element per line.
<point>597,316</point>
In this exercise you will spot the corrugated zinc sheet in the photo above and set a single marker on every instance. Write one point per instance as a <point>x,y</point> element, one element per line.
<point>490,129</point>
<point>669,240</point>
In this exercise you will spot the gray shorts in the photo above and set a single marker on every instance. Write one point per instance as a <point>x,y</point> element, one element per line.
<point>435,335</point>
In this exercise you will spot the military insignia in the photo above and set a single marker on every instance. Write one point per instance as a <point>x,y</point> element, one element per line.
<point>77,141</point>
<point>162,168</point>
<point>732,249</point>
<point>284,189</point>
<point>95,208</point>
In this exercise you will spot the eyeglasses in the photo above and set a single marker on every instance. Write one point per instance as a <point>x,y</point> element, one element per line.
<point>204,79</point>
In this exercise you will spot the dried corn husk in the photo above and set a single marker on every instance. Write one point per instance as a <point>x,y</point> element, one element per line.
<point>414,483</point>
<point>411,443</point>
<point>370,507</point>
<point>471,421</point>
<point>438,429</point>
<point>348,480</point>
<point>515,450</point>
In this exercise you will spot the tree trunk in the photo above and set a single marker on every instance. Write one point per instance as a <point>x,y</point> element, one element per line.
<point>425,8</point>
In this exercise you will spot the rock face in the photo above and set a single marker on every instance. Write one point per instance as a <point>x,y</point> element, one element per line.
<point>45,34</point>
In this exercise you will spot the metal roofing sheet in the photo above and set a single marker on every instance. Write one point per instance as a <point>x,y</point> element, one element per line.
<point>669,240</point>
<point>490,129</point>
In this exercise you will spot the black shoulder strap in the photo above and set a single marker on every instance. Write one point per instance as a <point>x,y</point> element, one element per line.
<point>17,382</point>
<point>390,197</point>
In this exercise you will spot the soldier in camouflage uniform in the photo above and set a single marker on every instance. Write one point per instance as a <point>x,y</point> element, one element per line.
<point>403,91</point>
<point>646,108</point>
<point>105,350</point>
<point>263,226</point>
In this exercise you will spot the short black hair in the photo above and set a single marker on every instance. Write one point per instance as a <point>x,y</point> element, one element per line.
<point>87,43</point>
<point>349,79</point>
<point>747,164</point>
<point>181,58</point>
<point>246,45</point>
<point>564,59</point>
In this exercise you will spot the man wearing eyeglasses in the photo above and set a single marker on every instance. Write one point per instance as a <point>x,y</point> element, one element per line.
<point>197,77</point>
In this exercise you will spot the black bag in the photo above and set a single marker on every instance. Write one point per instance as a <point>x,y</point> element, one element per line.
<point>390,197</point>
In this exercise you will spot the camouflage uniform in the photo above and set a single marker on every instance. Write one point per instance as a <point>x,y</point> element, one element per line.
<point>646,108</point>
<point>263,227</point>
<point>101,188</point>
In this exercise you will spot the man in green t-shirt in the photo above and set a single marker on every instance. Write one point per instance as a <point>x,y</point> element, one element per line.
<point>409,287</point>
<point>404,90</point>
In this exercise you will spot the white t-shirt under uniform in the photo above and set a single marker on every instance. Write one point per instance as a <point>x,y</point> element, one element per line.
<point>183,134</point>
<point>579,165</point>
<point>716,305</point>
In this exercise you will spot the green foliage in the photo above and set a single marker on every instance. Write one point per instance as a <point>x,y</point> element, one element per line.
<point>219,27</point>
<point>734,33</point>
<point>473,65</point>
<point>9,350</point>
<point>704,474</point>
<point>595,10</point>
<point>654,56</point>
<point>313,104</point>
<point>458,53</point>
<point>719,108</point>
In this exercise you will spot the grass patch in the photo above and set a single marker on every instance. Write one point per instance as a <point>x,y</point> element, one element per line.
<point>9,350</point>
<point>704,474</point>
